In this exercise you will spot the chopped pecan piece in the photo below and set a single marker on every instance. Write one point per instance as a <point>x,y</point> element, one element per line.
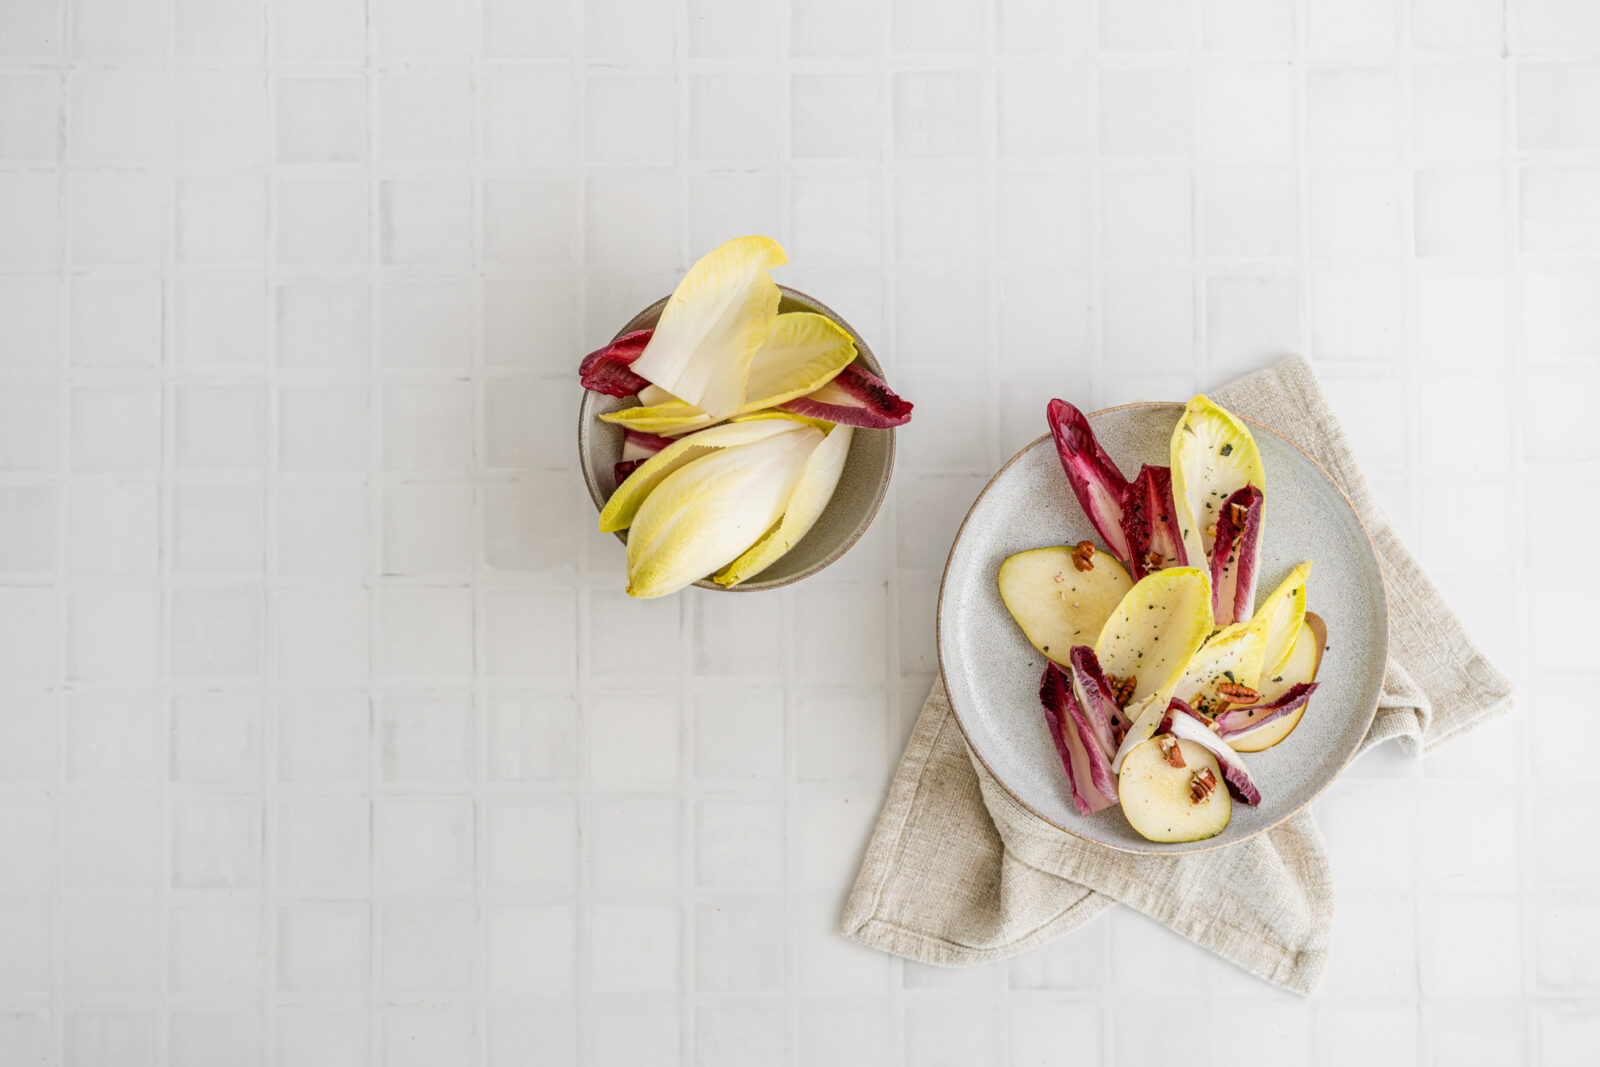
<point>1238,513</point>
<point>1083,555</point>
<point>1122,688</point>
<point>1238,694</point>
<point>1171,751</point>
<point>1153,561</point>
<point>1201,785</point>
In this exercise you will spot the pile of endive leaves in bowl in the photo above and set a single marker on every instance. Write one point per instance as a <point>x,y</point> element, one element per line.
<point>742,426</point>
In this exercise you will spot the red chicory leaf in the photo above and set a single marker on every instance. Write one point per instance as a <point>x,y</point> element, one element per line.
<point>1094,787</point>
<point>1096,481</point>
<point>1182,722</point>
<point>1234,557</point>
<point>1150,522</point>
<point>854,397</point>
<point>1236,723</point>
<point>606,370</point>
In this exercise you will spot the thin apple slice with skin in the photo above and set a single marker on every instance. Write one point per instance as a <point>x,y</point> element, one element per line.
<point>1158,798</point>
<point>713,323</point>
<point>1150,522</point>
<point>1097,483</point>
<point>1155,630</point>
<point>609,370</point>
<point>1212,457</point>
<point>1304,660</point>
<point>1236,557</point>
<point>818,479</point>
<point>1089,777</point>
<point>1181,722</point>
<point>1056,604</point>
<point>856,397</point>
<point>1281,615</point>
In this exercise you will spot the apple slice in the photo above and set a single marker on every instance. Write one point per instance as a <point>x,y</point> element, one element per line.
<point>1301,669</point>
<point>1155,630</point>
<point>1056,604</point>
<point>1159,799</point>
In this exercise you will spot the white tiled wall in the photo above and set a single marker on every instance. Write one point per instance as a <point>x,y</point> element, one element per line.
<point>327,736</point>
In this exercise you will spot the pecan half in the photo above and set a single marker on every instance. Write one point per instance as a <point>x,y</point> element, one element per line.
<point>1238,694</point>
<point>1201,785</point>
<point>1122,688</point>
<point>1083,555</point>
<point>1171,751</point>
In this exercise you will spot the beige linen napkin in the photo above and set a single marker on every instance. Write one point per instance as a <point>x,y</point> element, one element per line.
<point>958,872</point>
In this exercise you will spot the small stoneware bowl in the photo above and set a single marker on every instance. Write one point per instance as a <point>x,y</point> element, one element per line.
<point>861,488</point>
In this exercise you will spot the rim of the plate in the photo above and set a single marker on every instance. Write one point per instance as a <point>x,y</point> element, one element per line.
<point>1355,750</point>
<point>756,585</point>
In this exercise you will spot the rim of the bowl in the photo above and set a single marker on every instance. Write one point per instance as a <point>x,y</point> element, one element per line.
<point>1355,749</point>
<point>864,353</point>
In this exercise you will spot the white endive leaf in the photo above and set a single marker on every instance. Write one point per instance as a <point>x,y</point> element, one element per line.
<point>804,352</point>
<point>704,514</point>
<point>624,504</point>
<point>811,495</point>
<point>720,313</point>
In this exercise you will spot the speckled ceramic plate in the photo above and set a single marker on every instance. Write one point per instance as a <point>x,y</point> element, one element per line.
<point>862,483</point>
<point>992,673</point>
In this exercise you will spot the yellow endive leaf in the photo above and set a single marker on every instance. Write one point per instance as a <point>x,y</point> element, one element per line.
<point>706,513</point>
<point>619,512</point>
<point>1156,629</point>
<point>718,316</point>
<point>1213,455</point>
<point>811,495</point>
<point>1232,654</point>
<point>804,352</point>
<point>1280,616</point>
<point>670,418</point>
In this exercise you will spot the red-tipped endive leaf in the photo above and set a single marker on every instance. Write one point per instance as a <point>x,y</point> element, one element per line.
<point>1182,722</point>
<point>855,397</point>
<point>1150,522</point>
<point>1095,698</point>
<point>636,448</point>
<point>1089,776</point>
<point>1235,724</point>
<point>1235,556</point>
<point>1096,481</point>
<point>607,370</point>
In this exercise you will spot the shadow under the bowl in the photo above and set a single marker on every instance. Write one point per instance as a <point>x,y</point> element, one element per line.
<point>855,502</point>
